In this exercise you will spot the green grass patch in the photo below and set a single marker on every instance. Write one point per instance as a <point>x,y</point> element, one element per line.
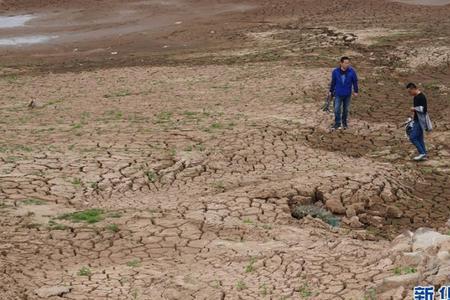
<point>115,215</point>
<point>94,185</point>
<point>240,285</point>
<point>33,202</point>
<point>250,266</point>
<point>427,170</point>
<point>13,78</point>
<point>216,125</point>
<point>53,102</point>
<point>248,221</point>
<point>163,117</point>
<point>23,148</point>
<point>267,226</point>
<point>118,94</point>
<point>305,291</point>
<point>394,38</point>
<point>113,228</point>
<point>135,294</point>
<point>263,290</point>
<point>404,270</point>
<point>218,185</point>
<point>77,126</point>
<point>84,271</point>
<point>134,263</point>
<point>12,159</point>
<point>200,147</point>
<point>191,114</point>
<point>151,176</point>
<point>52,225</point>
<point>89,216</point>
<point>371,294</point>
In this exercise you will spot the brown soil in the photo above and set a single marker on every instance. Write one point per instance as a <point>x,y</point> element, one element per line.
<point>198,152</point>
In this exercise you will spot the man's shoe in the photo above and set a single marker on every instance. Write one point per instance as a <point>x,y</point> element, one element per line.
<point>420,157</point>
<point>345,127</point>
<point>334,127</point>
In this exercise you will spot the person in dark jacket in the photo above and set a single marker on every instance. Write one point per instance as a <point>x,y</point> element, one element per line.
<point>344,81</point>
<point>421,120</point>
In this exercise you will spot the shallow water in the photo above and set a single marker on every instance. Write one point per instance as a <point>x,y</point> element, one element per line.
<point>425,2</point>
<point>14,21</point>
<point>26,40</point>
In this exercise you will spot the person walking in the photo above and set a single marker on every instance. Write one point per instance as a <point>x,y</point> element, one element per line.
<point>344,81</point>
<point>421,121</point>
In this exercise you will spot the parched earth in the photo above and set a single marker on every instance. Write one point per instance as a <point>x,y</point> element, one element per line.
<point>180,174</point>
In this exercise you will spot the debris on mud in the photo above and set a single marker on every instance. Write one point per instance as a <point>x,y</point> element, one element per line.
<point>301,211</point>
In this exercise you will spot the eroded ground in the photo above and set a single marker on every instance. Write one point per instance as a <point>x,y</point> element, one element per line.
<point>176,175</point>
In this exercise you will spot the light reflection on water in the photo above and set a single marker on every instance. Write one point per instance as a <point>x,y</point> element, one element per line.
<point>14,21</point>
<point>25,40</point>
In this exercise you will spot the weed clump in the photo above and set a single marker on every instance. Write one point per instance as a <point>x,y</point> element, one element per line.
<point>301,211</point>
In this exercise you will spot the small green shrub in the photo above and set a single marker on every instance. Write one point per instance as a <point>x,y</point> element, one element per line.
<point>301,211</point>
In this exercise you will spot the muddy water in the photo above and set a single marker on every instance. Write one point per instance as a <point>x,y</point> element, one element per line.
<point>26,40</point>
<point>147,17</point>
<point>425,2</point>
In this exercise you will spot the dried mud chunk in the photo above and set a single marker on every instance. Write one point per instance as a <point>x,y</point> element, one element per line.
<point>335,206</point>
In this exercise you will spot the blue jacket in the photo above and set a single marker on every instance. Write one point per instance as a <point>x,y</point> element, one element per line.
<point>342,82</point>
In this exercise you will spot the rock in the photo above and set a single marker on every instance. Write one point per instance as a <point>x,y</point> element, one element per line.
<point>46,292</point>
<point>358,207</point>
<point>350,212</point>
<point>394,212</point>
<point>375,201</point>
<point>448,223</point>
<point>394,294</point>
<point>302,200</point>
<point>425,238</point>
<point>355,223</point>
<point>442,277</point>
<point>335,206</point>
<point>402,243</point>
<point>375,221</point>
<point>384,263</point>
<point>411,259</point>
<point>349,38</point>
<point>444,256</point>
<point>401,280</point>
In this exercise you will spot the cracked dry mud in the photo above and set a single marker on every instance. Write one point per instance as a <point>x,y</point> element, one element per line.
<point>180,181</point>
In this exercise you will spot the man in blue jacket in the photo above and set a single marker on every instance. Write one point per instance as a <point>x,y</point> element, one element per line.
<point>343,81</point>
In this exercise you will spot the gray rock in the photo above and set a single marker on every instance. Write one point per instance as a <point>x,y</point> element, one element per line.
<point>401,280</point>
<point>425,238</point>
<point>444,256</point>
<point>349,38</point>
<point>355,223</point>
<point>46,292</point>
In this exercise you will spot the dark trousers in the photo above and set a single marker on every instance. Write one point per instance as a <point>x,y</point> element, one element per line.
<point>417,139</point>
<point>341,108</point>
